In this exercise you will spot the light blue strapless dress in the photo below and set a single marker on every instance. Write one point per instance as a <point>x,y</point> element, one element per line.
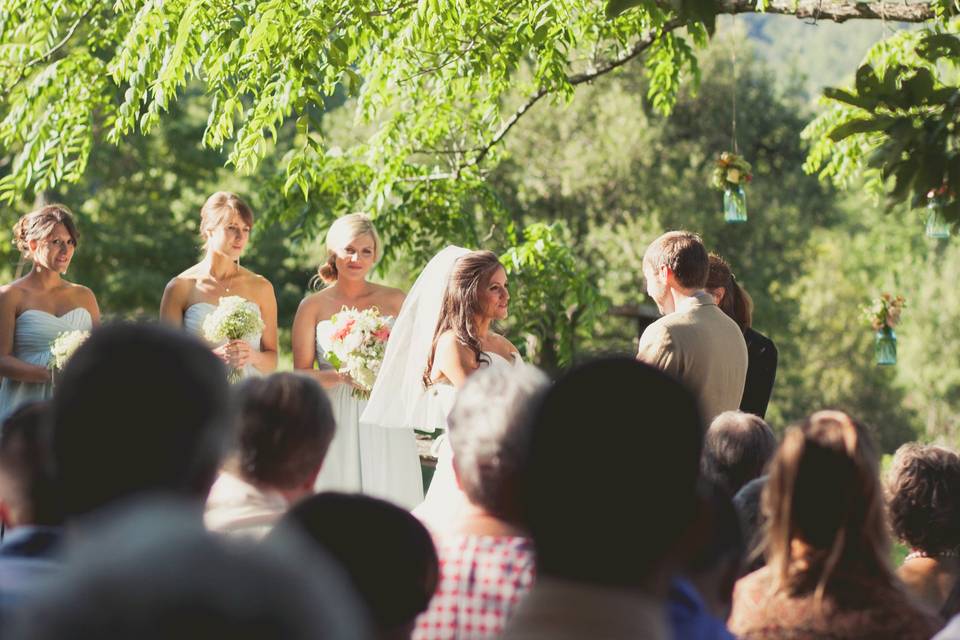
<point>32,335</point>
<point>193,319</point>
<point>365,458</point>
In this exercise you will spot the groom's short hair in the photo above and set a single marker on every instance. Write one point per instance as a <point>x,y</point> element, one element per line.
<point>139,409</point>
<point>684,254</point>
<point>610,484</point>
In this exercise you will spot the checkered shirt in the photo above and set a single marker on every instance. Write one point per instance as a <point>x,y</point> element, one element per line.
<point>482,579</point>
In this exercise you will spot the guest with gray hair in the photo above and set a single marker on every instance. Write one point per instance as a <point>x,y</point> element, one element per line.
<point>736,449</point>
<point>489,431</point>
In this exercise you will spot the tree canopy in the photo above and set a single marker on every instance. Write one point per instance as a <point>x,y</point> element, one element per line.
<point>442,83</point>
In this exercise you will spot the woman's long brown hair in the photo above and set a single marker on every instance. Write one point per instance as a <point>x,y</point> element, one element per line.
<point>824,490</point>
<point>461,304</point>
<point>736,302</point>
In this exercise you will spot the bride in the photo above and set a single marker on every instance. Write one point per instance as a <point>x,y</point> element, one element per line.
<point>225,222</point>
<point>442,336</point>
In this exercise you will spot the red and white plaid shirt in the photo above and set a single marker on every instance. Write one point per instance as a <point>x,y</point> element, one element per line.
<point>482,579</point>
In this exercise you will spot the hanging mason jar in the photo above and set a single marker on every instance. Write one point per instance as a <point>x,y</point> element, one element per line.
<point>886,346</point>
<point>937,225</point>
<point>734,204</point>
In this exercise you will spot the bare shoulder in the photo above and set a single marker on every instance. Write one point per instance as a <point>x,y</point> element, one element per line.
<point>183,282</point>
<point>259,283</point>
<point>447,342</point>
<point>503,346</point>
<point>82,294</point>
<point>11,294</point>
<point>389,299</point>
<point>321,305</point>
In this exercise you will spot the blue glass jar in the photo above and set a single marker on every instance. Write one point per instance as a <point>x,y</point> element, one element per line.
<point>937,225</point>
<point>886,346</point>
<point>734,204</point>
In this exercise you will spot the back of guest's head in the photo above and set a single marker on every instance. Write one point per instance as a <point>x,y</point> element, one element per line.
<point>824,492</point>
<point>735,301</point>
<point>747,503</point>
<point>139,409</point>
<point>489,432</point>
<point>154,573</point>
<point>924,498</point>
<point>610,483</point>
<point>736,450</point>
<point>26,488</point>
<point>388,555</point>
<point>684,254</point>
<point>284,426</point>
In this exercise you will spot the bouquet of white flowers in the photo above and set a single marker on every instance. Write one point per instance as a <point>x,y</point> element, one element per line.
<point>235,318</point>
<point>64,346</point>
<point>358,340</point>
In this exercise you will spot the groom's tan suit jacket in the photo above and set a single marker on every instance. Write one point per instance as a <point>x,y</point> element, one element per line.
<point>702,347</point>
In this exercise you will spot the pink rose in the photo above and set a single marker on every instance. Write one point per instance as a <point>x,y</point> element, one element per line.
<point>382,334</point>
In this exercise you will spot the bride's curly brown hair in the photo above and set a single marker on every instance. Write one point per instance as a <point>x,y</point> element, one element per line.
<point>461,304</point>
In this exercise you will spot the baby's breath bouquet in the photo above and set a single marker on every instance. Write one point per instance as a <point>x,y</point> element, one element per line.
<point>64,346</point>
<point>358,340</point>
<point>235,318</point>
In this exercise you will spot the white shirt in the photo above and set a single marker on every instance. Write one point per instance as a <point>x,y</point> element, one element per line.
<point>236,507</point>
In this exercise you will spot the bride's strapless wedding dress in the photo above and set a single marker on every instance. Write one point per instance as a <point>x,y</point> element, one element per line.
<point>366,458</point>
<point>193,319</point>
<point>445,502</point>
<point>32,335</point>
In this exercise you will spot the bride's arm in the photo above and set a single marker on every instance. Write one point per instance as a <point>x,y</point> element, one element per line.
<point>453,361</point>
<point>304,337</point>
<point>11,367</point>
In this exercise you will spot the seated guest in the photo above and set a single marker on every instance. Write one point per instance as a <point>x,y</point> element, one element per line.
<point>924,504</point>
<point>28,506</point>
<point>736,449</point>
<point>153,573</point>
<point>139,410</point>
<point>603,570</point>
<point>700,600</point>
<point>486,557</point>
<point>387,554</point>
<point>828,571</point>
<point>747,504</point>
<point>284,426</point>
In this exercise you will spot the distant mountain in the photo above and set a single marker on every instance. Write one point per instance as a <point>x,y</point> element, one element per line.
<point>810,56</point>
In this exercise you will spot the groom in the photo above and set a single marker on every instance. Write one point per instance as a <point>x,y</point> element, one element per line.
<point>694,341</point>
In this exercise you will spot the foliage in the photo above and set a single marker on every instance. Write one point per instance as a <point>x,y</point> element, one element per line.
<point>559,300</point>
<point>434,78</point>
<point>901,119</point>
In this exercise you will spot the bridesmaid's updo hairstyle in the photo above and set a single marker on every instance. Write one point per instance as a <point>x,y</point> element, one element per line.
<point>40,223</point>
<point>342,232</point>
<point>218,208</point>
<point>736,302</point>
<point>461,304</point>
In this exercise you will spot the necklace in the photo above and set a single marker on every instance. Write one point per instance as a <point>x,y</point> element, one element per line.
<point>226,289</point>
<point>914,555</point>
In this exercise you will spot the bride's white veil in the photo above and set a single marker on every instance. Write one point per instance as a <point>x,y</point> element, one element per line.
<point>399,387</point>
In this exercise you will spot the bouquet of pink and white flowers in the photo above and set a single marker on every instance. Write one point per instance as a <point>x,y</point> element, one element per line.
<point>358,340</point>
<point>884,312</point>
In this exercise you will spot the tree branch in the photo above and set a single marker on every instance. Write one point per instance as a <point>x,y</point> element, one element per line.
<point>837,11</point>
<point>60,45</point>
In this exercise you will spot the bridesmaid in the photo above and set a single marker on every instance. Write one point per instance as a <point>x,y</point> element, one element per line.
<point>36,308</point>
<point>225,223</point>
<point>362,457</point>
